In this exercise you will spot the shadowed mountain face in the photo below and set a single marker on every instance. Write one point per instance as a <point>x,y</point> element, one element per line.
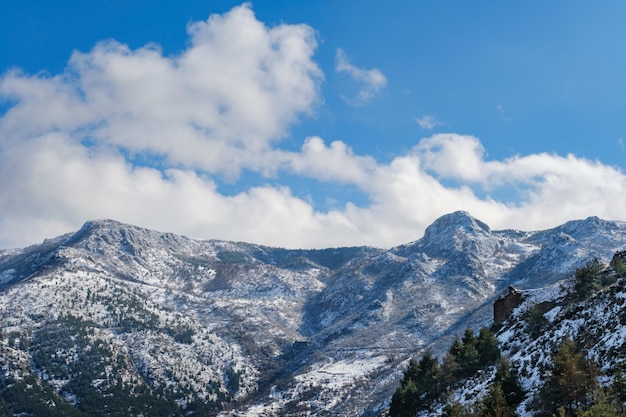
<point>210,325</point>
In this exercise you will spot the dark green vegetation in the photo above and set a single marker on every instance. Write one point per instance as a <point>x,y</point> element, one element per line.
<point>572,384</point>
<point>427,384</point>
<point>97,380</point>
<point>67,350</point>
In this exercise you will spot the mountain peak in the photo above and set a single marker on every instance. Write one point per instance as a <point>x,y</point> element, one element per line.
<point>592,232</point>
<point>94,227</point>
<point>593,222</point>
<point>459,219</point>
<point>457,232</point>
<point>455,224</point>
<point>103,224</point>
<point>452,233</point>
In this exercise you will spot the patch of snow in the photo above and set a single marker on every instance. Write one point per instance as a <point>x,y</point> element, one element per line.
<point>552,314</point>
<point>335,375</point>
<point>6,276</point>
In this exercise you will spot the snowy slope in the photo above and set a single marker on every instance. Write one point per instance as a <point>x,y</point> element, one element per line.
<point>265,330</point>
<point>596,324</point>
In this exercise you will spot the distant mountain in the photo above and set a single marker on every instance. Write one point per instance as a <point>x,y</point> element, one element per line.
<point>120,319</point>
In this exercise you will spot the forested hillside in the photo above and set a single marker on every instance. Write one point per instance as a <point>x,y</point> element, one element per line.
<point>561,353</point>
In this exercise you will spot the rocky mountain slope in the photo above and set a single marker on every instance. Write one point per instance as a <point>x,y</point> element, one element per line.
<point>120,319</point>
<point>561,349</point>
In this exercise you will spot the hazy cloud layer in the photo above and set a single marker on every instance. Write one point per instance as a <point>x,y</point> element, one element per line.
<point>70,142</point>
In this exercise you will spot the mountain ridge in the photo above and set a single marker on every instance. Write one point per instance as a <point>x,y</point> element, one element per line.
<point>296,329</point>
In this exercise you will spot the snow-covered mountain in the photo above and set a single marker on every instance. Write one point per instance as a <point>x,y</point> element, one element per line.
<point>162,322</point>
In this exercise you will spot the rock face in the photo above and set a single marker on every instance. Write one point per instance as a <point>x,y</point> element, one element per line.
<point>205,326</point>
<point>504,306</point>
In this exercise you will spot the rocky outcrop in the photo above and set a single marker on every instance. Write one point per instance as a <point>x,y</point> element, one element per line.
<point>504,305</point>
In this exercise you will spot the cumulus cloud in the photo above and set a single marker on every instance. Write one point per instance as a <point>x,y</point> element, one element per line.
<point>428,122</point>
<point>336,162</point>
<point>370,81</point>
<point>52,184</point>
<point>68,142</point>
<point>218,106</point>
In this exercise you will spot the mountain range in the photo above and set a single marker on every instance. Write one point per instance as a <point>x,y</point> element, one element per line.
<point>119,320</point>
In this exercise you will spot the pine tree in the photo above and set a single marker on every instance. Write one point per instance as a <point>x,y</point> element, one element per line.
<point>494,404</point>
<point>429,385</point>
<point>455,409</point>
<point>602,407</point>
<point>536,321</point>
<point>487,346</point>
<point>404,402</point>
<point>448,370</point>
<point>468,358</point>
<point>419,388</point>
<point>570,382</point>
<point>413,371</point>
<point>509,381</point>
<point>618,266</point>
<point>588,279</point>
<point>618,388</point>
<point>455,348</point>
<point>469,338</point>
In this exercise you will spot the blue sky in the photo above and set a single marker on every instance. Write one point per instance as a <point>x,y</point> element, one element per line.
<point>309,124</point>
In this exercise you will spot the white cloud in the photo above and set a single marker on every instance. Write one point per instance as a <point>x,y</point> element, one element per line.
<point>370,81</point>
<point>453,156</point>
<point>219,107</point>
<point>334,163</point>
<point>428,122</point>
<point>52,184</point>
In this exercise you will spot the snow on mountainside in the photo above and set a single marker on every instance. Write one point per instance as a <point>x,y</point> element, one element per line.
<point>209,325</point>
<point>533,334</point>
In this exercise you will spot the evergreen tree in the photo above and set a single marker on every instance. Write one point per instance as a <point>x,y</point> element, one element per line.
<point>448,371</point>
<point>509,381</point>
<point>455,409</point>
<point>570,382</point>
<point>602,407</point>
<point>413,371</point>
<point>618,266</point>
<point>588,279</point>
<point>468,360</point>
<point>455,348</point>
<point>424,382</point>
<point>429,385</point>
<point>494,404</point>
<point>469,338</point>
<point>405,398</point>
<point>536,321</point>
<point>487,346</point>
<point>404,402</point>
<point>618,388</point>
<point>419,388</point>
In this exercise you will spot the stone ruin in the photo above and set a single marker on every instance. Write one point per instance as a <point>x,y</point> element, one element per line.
<point>504,305</point>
